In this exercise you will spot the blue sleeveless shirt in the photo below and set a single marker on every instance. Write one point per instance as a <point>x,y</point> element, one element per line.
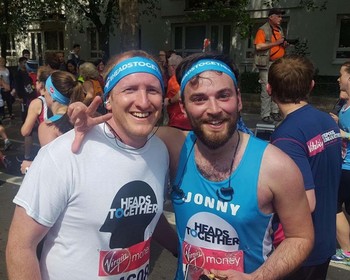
<point>344,124</point>
<point>220,234</point>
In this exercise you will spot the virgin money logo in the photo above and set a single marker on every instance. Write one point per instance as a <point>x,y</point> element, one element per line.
<point>116,261</point>
<point>193,255</point>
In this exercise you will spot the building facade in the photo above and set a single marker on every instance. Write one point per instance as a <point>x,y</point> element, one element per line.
<point>323,34</point>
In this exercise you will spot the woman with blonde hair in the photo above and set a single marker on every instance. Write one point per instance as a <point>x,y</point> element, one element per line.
<point>89,74</point>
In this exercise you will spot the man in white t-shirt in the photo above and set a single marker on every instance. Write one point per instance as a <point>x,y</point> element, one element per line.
<point>97,209</point>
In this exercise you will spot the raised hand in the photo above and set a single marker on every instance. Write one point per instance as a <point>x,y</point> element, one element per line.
<point>84,118</point>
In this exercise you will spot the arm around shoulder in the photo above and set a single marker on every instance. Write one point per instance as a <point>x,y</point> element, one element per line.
<point>173,139</point>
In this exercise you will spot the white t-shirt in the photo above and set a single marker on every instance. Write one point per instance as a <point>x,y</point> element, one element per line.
<point>101,205</point>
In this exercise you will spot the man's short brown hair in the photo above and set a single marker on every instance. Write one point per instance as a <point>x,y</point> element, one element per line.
<point>290,78</point>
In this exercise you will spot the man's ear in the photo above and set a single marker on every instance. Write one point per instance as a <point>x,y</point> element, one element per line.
<point>107,104</point>
<point>239,100</point>
<point>182,107</point>
<point>269,89</point>
<point>312,85</point>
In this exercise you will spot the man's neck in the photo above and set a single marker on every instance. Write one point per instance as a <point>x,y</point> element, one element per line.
<point>129,140</point>
<point>274,26</point>
<point>218,153</point>
<point>288,108</point>
<point>217,164</point>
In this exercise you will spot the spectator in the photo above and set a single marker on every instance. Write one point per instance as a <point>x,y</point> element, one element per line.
<point>163,60</point>
<point>26,53</point>
<point>172,99</point>
<point>72,68</point>
<point>89,75</point>
<point>312,139</point>
<point>51,60</point>
<point>270,45</point>
<point>74,54</point>
<point>100,65</point>
<point>6,83</point>
<point>62,64</point>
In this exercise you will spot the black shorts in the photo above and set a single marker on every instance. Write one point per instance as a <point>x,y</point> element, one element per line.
<point>344,192</point>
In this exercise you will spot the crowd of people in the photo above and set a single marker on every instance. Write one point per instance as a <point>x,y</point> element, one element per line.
<point>27,85</point>
<point>244,208</point>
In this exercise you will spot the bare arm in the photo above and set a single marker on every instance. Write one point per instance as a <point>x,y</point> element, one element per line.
<point>25,166</point>
<point>269,45</point>
<point>285,183</point>
<point>3,132</point>
<point>281,190</point>
<point>24,237</point>
<point>33,113</point>
<point>173,139</point>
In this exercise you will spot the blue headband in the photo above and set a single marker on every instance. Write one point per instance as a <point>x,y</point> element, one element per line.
<point>129,66</point>
<point>206,65</point>
<point>55,94</point>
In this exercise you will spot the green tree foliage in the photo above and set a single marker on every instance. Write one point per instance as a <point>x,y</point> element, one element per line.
<point>212,10</point>
<point>104,15</point>
<point>15,17</point>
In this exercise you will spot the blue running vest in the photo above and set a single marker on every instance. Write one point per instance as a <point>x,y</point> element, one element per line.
<point>217,234</point>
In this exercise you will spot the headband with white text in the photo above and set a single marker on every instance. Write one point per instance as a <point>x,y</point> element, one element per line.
<point>129,66</point>
<point>55,94</point>
<point>206,65</point>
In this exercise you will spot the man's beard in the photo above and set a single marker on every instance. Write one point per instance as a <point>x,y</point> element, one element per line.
<point>213,140</point>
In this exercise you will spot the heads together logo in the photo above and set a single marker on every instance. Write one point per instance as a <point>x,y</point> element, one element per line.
<point>211,231</point>
<point>210,242</point>
<point>132,210</point>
